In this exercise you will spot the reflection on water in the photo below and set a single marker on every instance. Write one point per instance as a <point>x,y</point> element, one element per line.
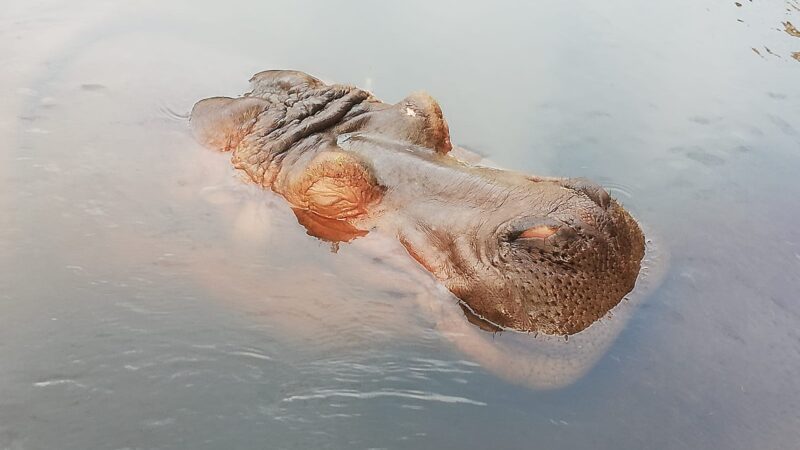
<point>149,299</point>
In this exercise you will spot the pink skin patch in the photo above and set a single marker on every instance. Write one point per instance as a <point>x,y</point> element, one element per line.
<point>540,232</point>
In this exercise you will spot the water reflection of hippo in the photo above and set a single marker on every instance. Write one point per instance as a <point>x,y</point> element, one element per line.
<point>549,255</point>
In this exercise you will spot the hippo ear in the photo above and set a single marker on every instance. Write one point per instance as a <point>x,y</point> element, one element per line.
<point>335,185</point>
<point>220,123</point>
<point>281,82</point>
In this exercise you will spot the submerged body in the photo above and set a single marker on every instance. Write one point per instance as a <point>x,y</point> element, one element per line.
<point>528,253</point>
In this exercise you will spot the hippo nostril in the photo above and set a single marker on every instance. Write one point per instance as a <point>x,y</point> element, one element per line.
<point>547,234</point>
<point>538,232</point>
<point>594,191</point>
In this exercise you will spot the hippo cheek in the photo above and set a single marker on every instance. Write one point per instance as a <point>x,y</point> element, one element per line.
<point>334,185</point>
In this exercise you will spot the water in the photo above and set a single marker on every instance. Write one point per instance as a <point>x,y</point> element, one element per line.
<point>148,299</point>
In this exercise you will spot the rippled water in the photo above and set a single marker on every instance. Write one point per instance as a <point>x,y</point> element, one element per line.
<point>149,299</point>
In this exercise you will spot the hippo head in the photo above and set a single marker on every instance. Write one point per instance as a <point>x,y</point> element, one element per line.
<point>550,255</point>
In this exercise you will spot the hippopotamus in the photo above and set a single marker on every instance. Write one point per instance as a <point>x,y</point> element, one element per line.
<point>521,252</point>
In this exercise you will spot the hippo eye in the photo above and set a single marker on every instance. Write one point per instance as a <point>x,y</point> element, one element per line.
<point>538,232</point>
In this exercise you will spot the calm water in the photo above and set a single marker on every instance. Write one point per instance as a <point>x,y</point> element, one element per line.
<point>148,299</point>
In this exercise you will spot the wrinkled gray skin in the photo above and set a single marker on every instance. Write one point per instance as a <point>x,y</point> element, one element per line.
<point>550,255</point>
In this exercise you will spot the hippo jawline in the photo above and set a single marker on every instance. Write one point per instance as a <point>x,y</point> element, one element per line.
<point>527,253</point>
